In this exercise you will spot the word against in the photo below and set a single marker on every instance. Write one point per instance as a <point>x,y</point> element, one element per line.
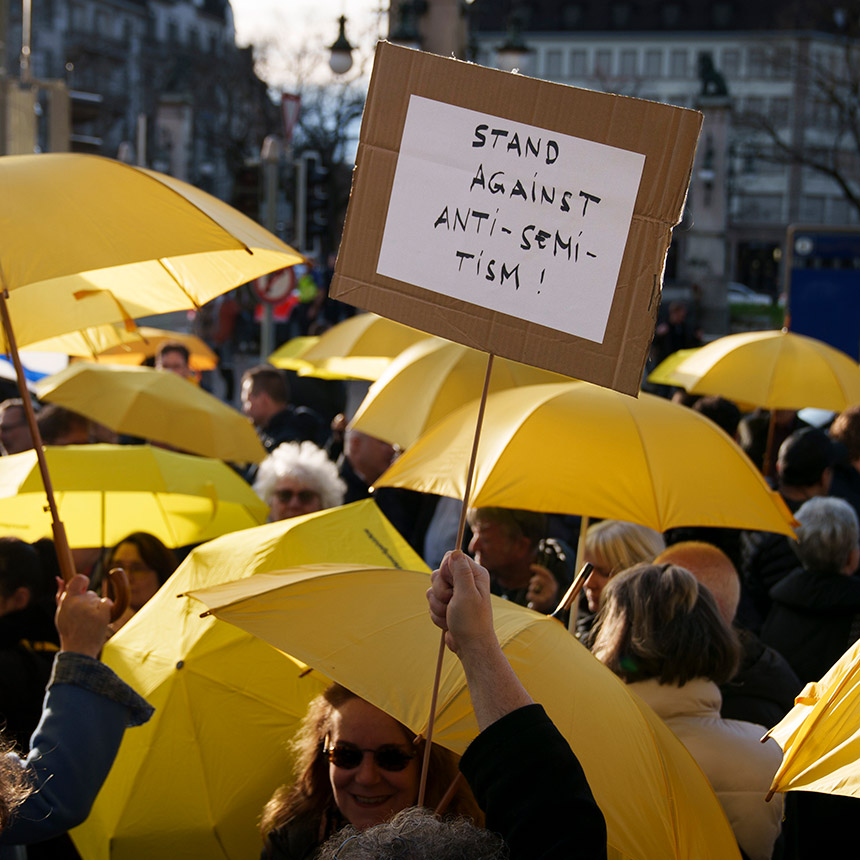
<point>512,217</point>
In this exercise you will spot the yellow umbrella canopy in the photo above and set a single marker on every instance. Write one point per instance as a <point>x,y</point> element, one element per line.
<point>88,240</point>
<point>774,370</point>
<point>581,449</point>
<point>820,736</point>
<point>386,653</point>
<point>104,492</point>
<point>360,347</point>
<point>289,356</point>
<point>113,343</point>
<point>428,381</point>
<point>193,781</point>
<point>664,372</point>
<point>155,405</point>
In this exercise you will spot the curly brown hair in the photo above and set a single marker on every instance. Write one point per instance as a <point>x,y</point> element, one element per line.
<point>310,796</point>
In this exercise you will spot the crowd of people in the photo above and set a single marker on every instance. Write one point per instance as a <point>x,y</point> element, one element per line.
<point>717,630</point>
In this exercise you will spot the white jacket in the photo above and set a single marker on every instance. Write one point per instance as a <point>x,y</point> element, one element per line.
<point>739,767</point>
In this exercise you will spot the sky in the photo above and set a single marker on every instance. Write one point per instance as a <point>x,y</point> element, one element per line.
<point>298,32</point>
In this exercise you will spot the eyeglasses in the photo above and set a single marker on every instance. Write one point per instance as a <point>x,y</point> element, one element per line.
<point>305,497</point>
<point>348,756</point>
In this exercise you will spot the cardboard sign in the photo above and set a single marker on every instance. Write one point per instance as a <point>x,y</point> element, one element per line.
<point>516,216</point>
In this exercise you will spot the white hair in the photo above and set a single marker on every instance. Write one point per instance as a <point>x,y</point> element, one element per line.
<point>306,463</point>
<point>828,534</point>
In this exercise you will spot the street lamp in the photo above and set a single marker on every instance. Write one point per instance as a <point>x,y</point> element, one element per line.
<point>340,59</point>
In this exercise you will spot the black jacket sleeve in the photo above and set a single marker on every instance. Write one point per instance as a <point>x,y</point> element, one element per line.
<point>533,790</point>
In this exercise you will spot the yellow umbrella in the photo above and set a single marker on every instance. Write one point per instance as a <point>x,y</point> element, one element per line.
<point>114,344</point>
<point>362,346</point>
<point>774,370</point>
<point>664,372</point>
<point>104,492</point>
<point>289,356</point>
<point>379,641</point>
<point>88,240</point>
<point>155,405</point>
<point>820,736</point>
<point>194,782</point>
<point>581,449</point>
<point>428,381</point>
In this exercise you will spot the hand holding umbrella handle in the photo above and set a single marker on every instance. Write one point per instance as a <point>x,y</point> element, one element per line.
<point>118,591</point>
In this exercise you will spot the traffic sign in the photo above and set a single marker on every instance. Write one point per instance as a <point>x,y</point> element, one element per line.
<point>276,286</point>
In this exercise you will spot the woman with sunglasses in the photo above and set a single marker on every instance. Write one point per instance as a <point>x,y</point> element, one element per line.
<point>298,478</point>
<point>354,765</point>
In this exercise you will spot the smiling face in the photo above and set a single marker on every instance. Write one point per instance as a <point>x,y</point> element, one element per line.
<point>368,795</point>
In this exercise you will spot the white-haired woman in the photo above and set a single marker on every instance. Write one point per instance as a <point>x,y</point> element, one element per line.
<point>298,478</point>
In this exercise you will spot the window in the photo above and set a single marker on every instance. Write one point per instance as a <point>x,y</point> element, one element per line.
<point>755,63</point>
<point>578,64</point>
<point>621,15</point>
<point>812,209</point>
<point>671,15</point>
<point>761,207</point>
<point>103,23</point>
<point>781,63</point>
<point>552,66</point>
<point>721,15</point>
<point>628,63</point>
<point>678,64</point>
<point>79,17</point>
<point>730,63</point>
<point>602,63</point>
<point>780,111</point>
<point>653,63</point>
<point>572,15</point>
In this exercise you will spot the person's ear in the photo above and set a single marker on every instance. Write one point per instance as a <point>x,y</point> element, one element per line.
<point>20,599</point>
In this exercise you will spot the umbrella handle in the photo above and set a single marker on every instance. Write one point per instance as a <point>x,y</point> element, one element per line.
<point>118,591</point>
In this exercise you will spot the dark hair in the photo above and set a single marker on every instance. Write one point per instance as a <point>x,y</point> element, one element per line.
<point>173,346</point>
<point>722,412</point>
<point>515,522</point>
<point>656,621</point>
<point>269,380</point>
<point>19,566</point>
<point>156,555</point>
<point>310,796</point>
<point>55,422</point>
<point>804,456</point>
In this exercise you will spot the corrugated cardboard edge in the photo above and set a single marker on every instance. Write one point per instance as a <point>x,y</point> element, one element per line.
<point>666,135</point>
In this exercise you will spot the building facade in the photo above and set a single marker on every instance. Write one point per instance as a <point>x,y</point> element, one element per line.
<point>763,75</point>
<point>159,83</point>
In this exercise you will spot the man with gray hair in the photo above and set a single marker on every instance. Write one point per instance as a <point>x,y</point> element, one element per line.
<point>815,614</point>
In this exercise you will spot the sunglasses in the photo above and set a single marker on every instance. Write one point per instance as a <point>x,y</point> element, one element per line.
<point>304,496</point>
<point>347,756</point>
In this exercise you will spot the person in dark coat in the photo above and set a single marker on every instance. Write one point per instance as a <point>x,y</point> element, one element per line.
<point>845,430</point>
<point>266,401</point>
<point>804,471</point>
<point>28,640</point>
<point>815,614</point>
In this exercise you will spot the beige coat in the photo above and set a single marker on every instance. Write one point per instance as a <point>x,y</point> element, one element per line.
<point>739,767</point>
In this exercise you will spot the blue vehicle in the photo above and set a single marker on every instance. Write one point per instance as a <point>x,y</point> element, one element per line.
<point>823,285</point>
